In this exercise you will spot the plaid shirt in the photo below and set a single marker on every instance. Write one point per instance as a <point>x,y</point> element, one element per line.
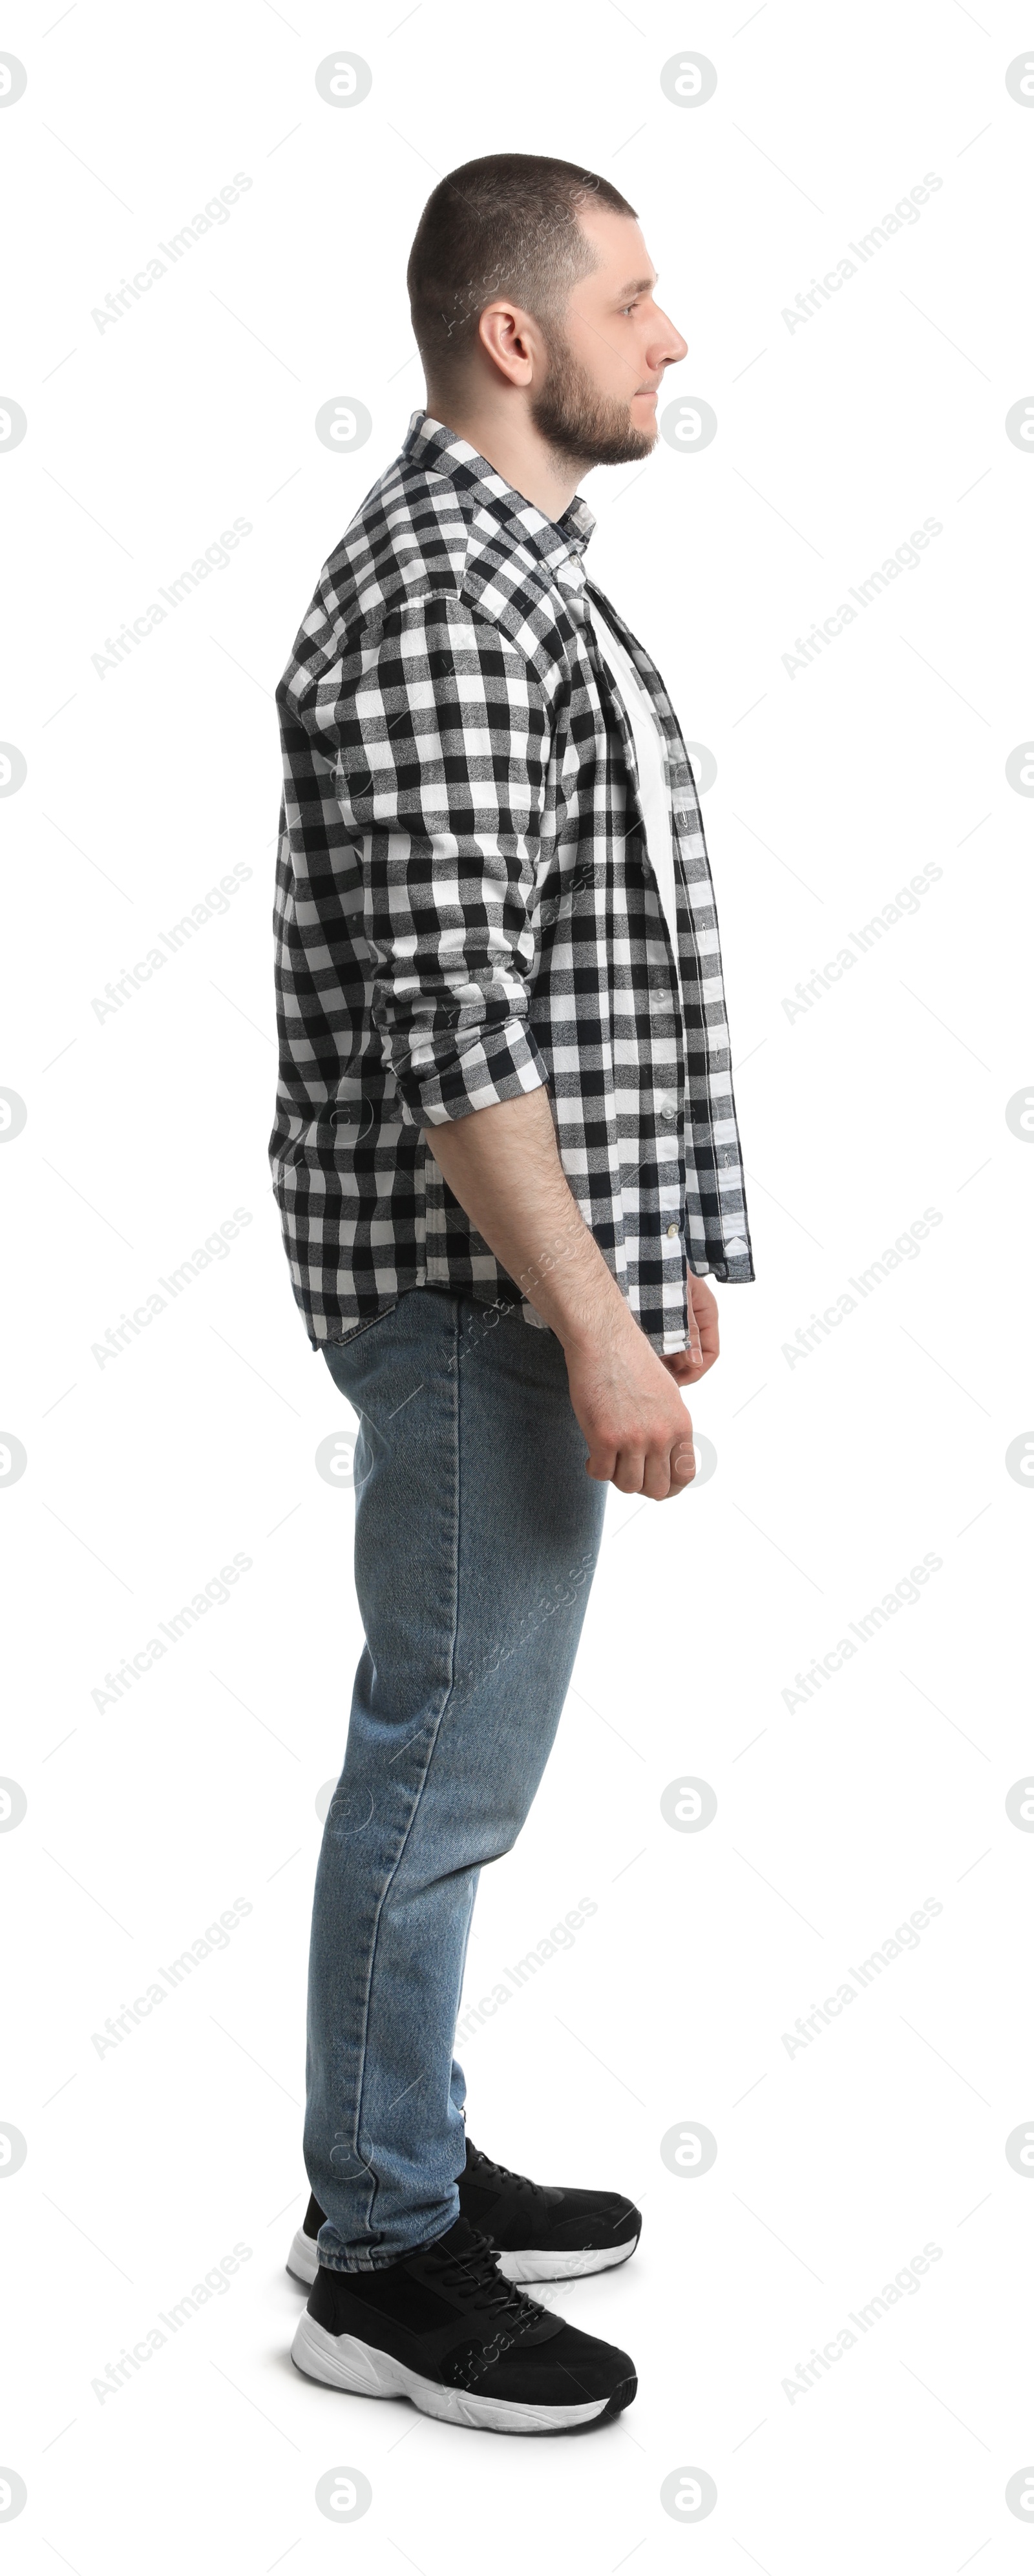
<point>465,910</point>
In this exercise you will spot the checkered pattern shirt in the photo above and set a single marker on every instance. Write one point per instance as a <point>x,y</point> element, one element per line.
<point>465,910</point>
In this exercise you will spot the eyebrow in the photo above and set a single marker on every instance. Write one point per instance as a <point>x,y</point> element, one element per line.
<point>639,285</point>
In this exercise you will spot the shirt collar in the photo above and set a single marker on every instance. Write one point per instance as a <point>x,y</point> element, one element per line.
<point>559,543</point>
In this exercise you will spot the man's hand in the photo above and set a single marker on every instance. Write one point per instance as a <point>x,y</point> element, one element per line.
<point>687,1366</point>
<point>639,1433</point>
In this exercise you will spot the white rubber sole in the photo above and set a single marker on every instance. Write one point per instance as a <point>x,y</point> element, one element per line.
<point>528,2266</point>
<point>303,2261</point>
<point>341,2361</point>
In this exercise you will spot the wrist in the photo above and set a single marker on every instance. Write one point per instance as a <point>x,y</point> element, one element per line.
<point>601,1321</point>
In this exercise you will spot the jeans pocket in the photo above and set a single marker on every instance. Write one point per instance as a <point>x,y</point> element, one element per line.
<point>331,1349</point>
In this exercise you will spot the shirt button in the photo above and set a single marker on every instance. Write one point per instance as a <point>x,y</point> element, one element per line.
<point>672,1229</point>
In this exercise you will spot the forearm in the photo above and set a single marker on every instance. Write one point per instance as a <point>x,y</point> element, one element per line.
<point>503,1166</point>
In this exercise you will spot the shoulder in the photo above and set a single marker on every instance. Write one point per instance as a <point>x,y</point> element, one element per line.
<point>404,543</point>
<point>419,560</point>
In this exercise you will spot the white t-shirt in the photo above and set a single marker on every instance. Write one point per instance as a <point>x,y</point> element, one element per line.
<point>649,752</point>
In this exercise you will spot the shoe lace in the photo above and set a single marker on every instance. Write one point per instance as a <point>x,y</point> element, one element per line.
<point>487,2164</point>
<point>475,2276</point>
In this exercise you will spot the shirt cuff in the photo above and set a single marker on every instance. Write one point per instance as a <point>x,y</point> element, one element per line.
<point>498,1066</point>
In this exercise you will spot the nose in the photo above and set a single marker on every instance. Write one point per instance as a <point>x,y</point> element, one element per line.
<point>667,344</point>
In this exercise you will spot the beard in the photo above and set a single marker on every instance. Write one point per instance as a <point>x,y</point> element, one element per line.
<point>581,424</point>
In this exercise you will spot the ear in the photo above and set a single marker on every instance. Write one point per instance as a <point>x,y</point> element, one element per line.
<point>511,341</point>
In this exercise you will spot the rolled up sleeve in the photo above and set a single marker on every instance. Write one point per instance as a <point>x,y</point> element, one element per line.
<point>442,775</point>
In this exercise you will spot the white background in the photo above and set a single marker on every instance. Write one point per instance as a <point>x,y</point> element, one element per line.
<point>147,1128</point>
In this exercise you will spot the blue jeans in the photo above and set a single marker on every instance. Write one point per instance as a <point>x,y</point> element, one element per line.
<point>476,1537</point>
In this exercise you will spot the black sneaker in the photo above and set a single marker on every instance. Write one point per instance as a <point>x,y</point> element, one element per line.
<point>443,2328</point>
<point>539,2231</point>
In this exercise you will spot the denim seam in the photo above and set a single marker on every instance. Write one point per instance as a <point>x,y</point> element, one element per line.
<point>439,1721</point>
<point>378,2262</point>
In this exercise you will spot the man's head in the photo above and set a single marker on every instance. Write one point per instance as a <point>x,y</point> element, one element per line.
<point>529,281</point>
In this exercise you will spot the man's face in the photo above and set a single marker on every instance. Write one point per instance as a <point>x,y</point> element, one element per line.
<point>597,403</point>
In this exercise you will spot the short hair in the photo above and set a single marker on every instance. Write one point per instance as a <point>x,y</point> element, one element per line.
<point>507,225</point>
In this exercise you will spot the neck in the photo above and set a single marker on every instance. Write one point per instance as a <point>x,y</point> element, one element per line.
<point>513,446</point>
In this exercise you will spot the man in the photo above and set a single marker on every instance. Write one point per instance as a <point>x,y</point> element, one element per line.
<point>506,1158</point>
